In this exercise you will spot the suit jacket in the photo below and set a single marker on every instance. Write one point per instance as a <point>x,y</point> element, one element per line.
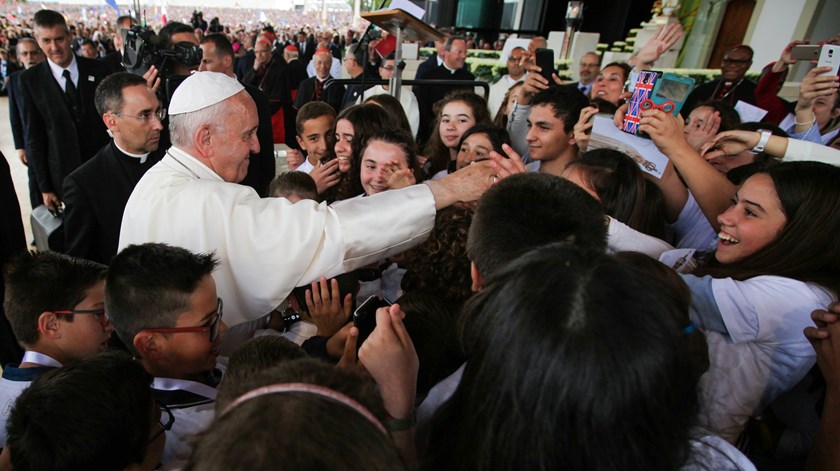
<point>306,92</point>
<point>113,60</point>
<point>244,64</point>
<point>12,243</point>
<point>261,167</point>
<point>16,116</point>
<point>307,52</point>
<point>745,91</point>
<point>296,73</point>
<point>424,68</point>
<point>354,92</point>
<point>428,95</point>
<point>95,195</point>
<point>57,143</point>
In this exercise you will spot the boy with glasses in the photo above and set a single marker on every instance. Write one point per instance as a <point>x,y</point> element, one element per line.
<point>166,310</point>
<point>55,305</point>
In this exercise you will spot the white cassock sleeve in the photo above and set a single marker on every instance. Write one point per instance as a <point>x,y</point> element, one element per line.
<point>267,246</point>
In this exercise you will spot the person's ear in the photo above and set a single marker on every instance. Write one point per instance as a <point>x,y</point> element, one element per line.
<point>48,325</point>
<point>110,120</point>
<point>227,61</point>
<point>148,345</point>
<point>477,279</point>
<point>203,140</point>
<point>300,142</point>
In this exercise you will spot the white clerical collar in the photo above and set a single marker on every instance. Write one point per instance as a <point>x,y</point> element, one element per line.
<point>322,80</point>
<point>186,162</point>
<point>142,157</point>
<point>451,71</point>
<point>171,384</point>
<point>58,71</point>
<point>40,359</point>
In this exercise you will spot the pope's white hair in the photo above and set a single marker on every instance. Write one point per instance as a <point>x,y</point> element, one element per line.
<point>182,127</point>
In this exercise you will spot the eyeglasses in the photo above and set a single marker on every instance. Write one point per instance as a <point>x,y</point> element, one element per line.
<point>389,68</point>
<point>726,60</point>
<point>514,59</point>
<point>98,313</point>
<point>146,116</point>
<point>164,427</point>
<point>213,327</point>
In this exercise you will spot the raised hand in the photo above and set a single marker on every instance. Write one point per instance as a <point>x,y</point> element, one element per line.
<point>583,128</point>
<point>662,41</point>
<point>325,307</point>
<point>326,176</point>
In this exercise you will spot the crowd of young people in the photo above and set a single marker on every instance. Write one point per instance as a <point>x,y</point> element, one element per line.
<point>581,315</point>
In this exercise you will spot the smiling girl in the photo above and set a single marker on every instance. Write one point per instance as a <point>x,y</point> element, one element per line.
<point>456,113</point>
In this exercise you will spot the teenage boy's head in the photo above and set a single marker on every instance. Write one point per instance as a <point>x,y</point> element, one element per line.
<point>93,414</point>
<point>554,112</point>
<point>55,305</point>
<point>294,186</point>
<point>165,308</point>
<point>314,123</point>
<point>526,211</point>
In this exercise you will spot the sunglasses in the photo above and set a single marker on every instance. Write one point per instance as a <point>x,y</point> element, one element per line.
<point>212,327</point>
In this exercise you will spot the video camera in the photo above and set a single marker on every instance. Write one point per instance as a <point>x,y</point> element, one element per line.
<point>143,49</point>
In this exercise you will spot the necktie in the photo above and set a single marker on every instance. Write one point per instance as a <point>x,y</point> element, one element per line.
<point>72,93</point>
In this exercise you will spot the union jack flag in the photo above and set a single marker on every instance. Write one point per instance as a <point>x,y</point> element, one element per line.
<point>643,91</point>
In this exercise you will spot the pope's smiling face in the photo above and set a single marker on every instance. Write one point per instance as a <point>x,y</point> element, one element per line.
<point>235,140</point>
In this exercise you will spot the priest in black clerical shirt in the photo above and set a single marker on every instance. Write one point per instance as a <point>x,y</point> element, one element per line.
<point>454,56</point>
<point>95,194</point>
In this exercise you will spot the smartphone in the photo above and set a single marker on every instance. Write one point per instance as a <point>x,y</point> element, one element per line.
<point>364,318</point>
<point>805,52</point>
<point>545,60</point>
<point>830,57</point>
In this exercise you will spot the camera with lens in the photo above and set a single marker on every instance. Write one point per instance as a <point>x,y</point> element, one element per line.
<point>143,49</point>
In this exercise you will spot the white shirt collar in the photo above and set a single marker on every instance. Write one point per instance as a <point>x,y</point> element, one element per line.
<point>439,60</point>
<point>142,157</point>
<point>58,71</point>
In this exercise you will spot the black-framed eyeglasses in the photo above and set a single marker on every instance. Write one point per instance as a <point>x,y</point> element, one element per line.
<point>146,116</point>
<point>213,327</point>
<point>736,61</point>
<point>98,313</point>
<point>164,426</point>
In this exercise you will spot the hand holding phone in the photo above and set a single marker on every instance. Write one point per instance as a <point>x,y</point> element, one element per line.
<point>830,57</point>
<point>364,318</point>
<point>545,61</point>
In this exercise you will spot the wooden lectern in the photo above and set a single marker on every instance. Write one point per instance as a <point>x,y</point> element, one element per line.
<point>405,27</point>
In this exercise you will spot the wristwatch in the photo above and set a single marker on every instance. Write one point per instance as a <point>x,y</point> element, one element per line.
<point>762,141</point>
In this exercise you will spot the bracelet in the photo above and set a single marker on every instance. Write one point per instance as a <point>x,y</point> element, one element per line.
<point>762,141</point>
<point>809,123</point>
<point>400,425</point>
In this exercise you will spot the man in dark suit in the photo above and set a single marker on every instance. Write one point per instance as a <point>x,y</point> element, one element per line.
<point>29,54</point>
<point>245,63</point>
<point>95,194</point>
<point>314,89</point>
<point>454,57</point>
<point>295,69</point>
<point>64,128</point>
<point>306,48</point>
<point>217,56</point>
<point>731,87</point>
<point>353,61</point>
<point>114,59</point>
<point>432,62</point>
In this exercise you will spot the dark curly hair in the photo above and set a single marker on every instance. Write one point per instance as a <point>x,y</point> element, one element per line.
<point>440,264</point>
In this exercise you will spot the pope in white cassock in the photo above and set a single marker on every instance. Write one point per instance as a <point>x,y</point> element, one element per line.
<point>268,246</point>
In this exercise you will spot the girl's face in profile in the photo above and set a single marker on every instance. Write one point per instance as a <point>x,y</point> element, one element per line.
<point>754,220</point>
<point>380,160</point>
<point>455,118</point>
